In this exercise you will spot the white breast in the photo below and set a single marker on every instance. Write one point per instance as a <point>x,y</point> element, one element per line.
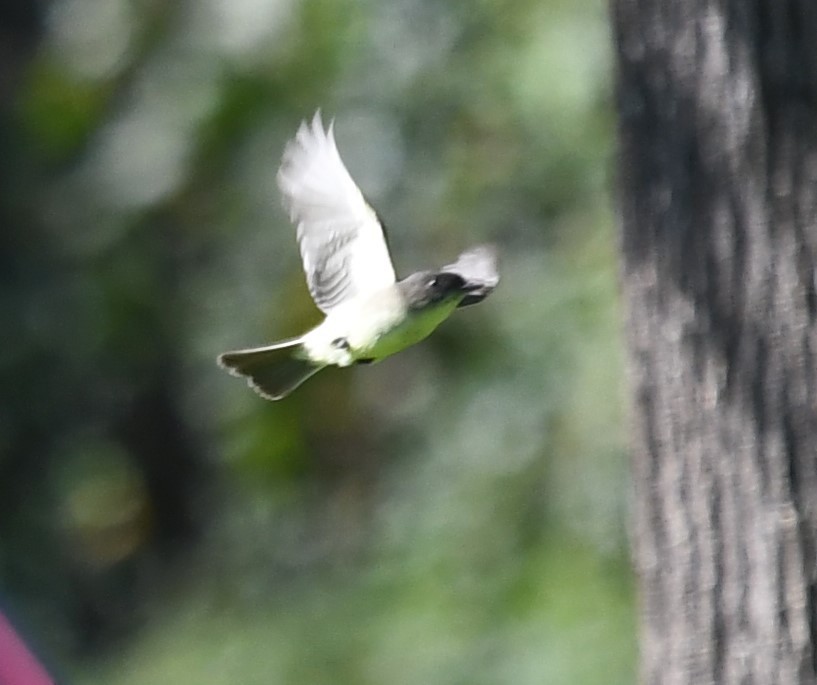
<point>361,322</point>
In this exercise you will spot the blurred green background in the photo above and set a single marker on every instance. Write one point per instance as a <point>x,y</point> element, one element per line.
<point>454,515</point>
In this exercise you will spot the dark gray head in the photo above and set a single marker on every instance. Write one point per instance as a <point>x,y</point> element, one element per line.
<point>426,288</point>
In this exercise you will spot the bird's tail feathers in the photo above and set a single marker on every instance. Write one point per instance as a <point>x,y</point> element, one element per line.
<point>273,371</point>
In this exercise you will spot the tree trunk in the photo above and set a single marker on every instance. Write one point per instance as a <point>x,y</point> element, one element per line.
<point>718,199</point>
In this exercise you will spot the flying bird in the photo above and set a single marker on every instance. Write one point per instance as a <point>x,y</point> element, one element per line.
<point>370,315</point>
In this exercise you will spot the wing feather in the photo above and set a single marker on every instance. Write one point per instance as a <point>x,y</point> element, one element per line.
<point>343,245</point>
<point>478,268</point>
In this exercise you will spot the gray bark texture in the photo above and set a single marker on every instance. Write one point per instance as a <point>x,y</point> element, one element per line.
<point>717,181</point>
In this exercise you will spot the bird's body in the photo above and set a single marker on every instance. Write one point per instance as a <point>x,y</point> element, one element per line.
<point>369,314</point>
<point>357,328</point>
<point>372,327</point>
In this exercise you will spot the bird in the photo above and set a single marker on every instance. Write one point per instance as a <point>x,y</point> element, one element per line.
<point>370,315</point>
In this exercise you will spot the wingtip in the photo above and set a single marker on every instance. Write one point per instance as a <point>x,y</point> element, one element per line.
<point>308,131</point>
<point>487,251</point>
<point>317,126</point>
<point>486,248</point>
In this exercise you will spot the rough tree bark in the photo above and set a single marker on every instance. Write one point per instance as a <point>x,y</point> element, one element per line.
<point>718,200</point>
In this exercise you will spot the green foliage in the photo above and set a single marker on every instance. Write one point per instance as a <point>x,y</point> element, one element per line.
<point>453,515</point>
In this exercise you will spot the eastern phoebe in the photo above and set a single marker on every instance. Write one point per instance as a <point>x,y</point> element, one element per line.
<point>369,314</point>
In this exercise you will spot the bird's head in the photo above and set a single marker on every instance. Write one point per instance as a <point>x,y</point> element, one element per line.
<point>427,288</point>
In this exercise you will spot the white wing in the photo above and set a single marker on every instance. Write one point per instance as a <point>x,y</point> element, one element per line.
<point>343,247</point>
<point>478,268</point>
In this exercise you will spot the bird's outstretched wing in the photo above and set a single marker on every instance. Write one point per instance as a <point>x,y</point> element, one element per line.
<point>342,243</point>
<point>478,268</point>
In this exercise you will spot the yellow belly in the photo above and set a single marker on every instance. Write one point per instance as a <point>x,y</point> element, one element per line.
<point>413,329</point>
<point>371,329</point>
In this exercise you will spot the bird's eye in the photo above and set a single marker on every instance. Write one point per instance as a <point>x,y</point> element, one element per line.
<point>433,283</point>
